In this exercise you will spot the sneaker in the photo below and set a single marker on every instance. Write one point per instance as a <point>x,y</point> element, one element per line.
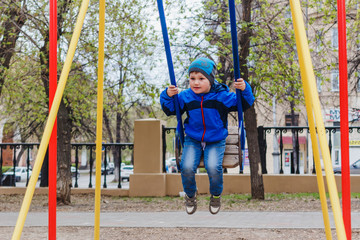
<point>215,203</point>
<point>190,204</point>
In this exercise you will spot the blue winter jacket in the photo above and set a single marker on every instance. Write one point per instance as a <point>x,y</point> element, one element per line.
<point>207,113</point>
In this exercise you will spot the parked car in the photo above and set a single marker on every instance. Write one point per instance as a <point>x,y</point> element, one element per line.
<point>126,171</point>
<point>20,173</point>
<point>354,168</point>
<point>171,166</point>
<point>73,172</point>
<point>8,180</point>
<point>110,168</point>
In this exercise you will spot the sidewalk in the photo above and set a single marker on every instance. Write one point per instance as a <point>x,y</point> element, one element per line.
<point>201,219</point>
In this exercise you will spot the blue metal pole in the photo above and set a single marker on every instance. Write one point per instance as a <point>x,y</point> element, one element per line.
<point>237,70</point>
<point>180,130</point>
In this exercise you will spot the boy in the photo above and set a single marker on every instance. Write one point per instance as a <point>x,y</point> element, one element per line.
<point>207,104</point>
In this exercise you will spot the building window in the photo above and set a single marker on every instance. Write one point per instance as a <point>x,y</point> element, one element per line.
<point>318,83</point>
<point>334,39</point>
<point>288,120</point>
<point>337,157</point>
<point>335,81</point>
<point>336,144</point>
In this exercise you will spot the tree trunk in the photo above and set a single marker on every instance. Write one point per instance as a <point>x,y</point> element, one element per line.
<point>115,151</point>
<point>257,186</point>
<point>64,128</point>
<point>117,155</point>
<point>64,181</point>
<point>12,26</point>
<point>294,153</point>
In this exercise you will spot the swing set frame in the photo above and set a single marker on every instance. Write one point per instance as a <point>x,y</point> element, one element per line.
<point>317,129</point>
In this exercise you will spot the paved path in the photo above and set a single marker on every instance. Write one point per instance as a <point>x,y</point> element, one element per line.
<point>200,219</point>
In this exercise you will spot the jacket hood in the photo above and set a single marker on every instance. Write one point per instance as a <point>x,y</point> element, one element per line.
<point>219,87</point>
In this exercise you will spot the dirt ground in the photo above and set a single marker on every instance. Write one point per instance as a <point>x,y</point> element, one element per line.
<point>86,233</point>
<point>85,203</point>
<point>310,202</point>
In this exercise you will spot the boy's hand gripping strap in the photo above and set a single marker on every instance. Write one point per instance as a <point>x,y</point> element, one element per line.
<point>236,70</point>
<point>179,129</point>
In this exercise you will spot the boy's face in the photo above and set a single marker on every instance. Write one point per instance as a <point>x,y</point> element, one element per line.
<point>199,83</point>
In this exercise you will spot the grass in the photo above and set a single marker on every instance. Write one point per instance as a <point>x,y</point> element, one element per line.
<point>282,196</point>
<point>355,195</point>
<point>232,198</point>
<point>237,197</point>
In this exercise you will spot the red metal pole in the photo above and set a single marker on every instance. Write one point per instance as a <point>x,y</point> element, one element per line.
<point>53,140</point>
<point>344,118</point>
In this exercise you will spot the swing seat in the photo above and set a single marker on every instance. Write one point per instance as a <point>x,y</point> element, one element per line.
<point>232,149</point>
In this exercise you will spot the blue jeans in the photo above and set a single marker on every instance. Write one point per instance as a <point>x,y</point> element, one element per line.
<point>213,158</point>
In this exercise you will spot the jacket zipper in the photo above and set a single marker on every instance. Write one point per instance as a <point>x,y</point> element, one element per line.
<point>203,118</point>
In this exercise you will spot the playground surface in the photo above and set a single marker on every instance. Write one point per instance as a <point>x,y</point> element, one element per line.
<point>86,233</point>
<point>164,218</point>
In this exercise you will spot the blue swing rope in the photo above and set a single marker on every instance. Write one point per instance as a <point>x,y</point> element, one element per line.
<point>179,129</point>
<point>237,70</point>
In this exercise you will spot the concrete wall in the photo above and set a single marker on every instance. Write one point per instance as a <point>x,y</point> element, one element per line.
<point>272,184</point>
<point>170,185</point>
<point>149,180</point>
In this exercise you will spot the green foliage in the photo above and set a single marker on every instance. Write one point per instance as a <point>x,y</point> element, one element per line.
<point>129,47</point>
<point>133,52</point>
<point>5,168</point>
<point>272,61</point>
<point>273,53</point>
<point>202,170</point>
<point>127,162</point>
<point>272,58</point>
<point>24,91</point>
<point>128,89</point>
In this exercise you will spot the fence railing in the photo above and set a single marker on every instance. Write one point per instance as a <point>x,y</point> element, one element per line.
<point>22,147</point>
<point>19,148</point>
<point>279,134</point>
<point>295,132</point>
<point>165,131</point>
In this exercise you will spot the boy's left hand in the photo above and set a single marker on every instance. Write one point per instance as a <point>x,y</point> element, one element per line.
<point>240,84</point>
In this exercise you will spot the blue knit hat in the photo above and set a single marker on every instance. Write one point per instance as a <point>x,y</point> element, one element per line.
<point>205,66</point>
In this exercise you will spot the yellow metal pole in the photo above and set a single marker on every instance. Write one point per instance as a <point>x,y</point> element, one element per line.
<point>307,74</point>
<point>315,147</point>
<point>99,117</point>
<point>50,123</point>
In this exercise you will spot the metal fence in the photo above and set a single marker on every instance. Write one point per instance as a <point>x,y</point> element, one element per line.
<point>289,157</point>
<point>21,148</point>
<point>296,132</point>
<point>279,135</point>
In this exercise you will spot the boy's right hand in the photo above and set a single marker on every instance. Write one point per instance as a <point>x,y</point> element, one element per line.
<point>172,90</point>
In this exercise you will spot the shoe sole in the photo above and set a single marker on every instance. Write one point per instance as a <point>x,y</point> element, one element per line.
<point>191,212</point>
<point>212,211</point>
